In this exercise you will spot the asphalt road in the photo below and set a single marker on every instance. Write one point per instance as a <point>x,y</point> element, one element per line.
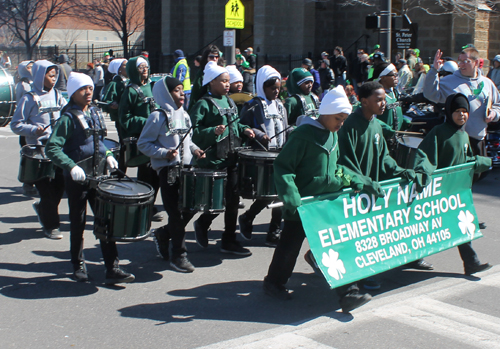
<point>221,304</point>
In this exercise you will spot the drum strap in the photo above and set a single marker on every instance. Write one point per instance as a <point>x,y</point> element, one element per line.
<point>276,118</point>
<point>144,99</point>
<point>307,111</point>
<point>180,133</point>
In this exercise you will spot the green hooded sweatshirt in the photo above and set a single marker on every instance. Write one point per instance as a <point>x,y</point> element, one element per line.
<point>293,104</point>
<point>133,112</point>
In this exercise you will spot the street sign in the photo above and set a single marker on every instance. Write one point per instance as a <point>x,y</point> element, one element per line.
<point>228,37</point>
<point>235,15</point>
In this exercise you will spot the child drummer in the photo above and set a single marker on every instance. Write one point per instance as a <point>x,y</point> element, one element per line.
<point>72,141</point>
<point>35,114</point>
<point>216,125</point>
<point>161,140</point>
<point>268,119</point>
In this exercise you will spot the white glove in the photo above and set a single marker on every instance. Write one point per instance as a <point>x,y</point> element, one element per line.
<point>78,174</point>
<point>112,163</point>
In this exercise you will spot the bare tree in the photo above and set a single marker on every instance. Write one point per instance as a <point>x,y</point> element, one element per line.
<point>434,7</point>
<point>28,19</point>
<point>124,17</point>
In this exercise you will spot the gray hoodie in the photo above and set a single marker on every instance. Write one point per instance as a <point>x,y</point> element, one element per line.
<point>27,116</point>
<point>23,86</point>
<point>157,137</point>
<point>480,91</point>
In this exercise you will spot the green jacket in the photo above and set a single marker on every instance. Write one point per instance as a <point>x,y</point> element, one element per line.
<point>307,165</point>
<point>294,107</point>
<point>133,111</point>
<point>114,92</point>
<point>363,148</point>
<point>445,146</point>
<point>205,117</point>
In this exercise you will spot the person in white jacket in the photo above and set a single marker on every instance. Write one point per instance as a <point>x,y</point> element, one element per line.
<point>160,137</point>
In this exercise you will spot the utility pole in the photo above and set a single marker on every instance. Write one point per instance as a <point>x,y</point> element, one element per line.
<point>385,27</point>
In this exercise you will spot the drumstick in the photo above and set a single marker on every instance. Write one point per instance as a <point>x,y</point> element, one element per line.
<point>51,124</point>
<point>125,175</point>
<point>183,138</point>
<point>260,144</point>
<point>277,134</point>
<point>418,123</point>
<point>410,133</point>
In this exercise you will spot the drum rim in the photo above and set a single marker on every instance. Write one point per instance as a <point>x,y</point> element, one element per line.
<point>243,154</point>
<point>105,193</point>
<point>195,170</point>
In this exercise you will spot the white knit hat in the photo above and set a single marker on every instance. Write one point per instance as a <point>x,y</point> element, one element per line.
<point>335,102</point>
<point>77,81</point>
<point>115,64</point>
<point>141,60</point>
<point>234,74</point>
<point>212,71</point>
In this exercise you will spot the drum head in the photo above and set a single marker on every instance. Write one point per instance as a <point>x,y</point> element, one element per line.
<point>7,96</point>
<point>410,142</point>
<point>125,188</point>
<point>36,152</point>
<point>258,154</point>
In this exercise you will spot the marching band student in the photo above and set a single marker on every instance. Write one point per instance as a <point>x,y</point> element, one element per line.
<point>112,97</point>
<point>135,106</point>
<point>210,117</point>
<point>306,166</point>
<point>300,101</point>
<point>364,150</point>
<point>211,54</point>
<point>159,139</point>
<point>268,119</point>
<point>392,119</point>
<point>448,145</point>
<point>22,87</point>
<point>68,144</point>
<point>31,121</point>
<point>235,79</point>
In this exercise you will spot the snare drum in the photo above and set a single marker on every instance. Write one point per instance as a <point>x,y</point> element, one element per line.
<point>113,146</point>
<point>256,174</point>
<point>133,157</point>
<point>35,165</point>
<point>202,190</point>
<point>7,97</point>
<point>406,149</point>
<point>123,210</point>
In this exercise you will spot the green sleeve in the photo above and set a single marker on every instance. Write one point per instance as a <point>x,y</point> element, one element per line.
<point>203,136</point>
<point>285,169</point>
<point>292,109</point>
<point>197,91</point>
<point>54,148</point>
<point>426,157</point>
<point>483,163</point>
<point>132,124</point>
<point>388,166</point>
<point>347,146</point>
<point>387,131</point>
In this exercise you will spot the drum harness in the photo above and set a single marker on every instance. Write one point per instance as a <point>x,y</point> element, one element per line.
<point>175,170</point>
<point>307,111</point>
<point>102,131</point>
<point>228,144</point>
<point>274,117</point>
<point>144,99</point>
<point>50,110</point>
<point>393,108</point>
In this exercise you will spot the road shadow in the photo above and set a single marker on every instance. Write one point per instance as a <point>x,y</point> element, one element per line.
<point>11,195</point>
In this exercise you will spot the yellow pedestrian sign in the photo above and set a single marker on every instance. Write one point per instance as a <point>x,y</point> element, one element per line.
<point>235,14</point>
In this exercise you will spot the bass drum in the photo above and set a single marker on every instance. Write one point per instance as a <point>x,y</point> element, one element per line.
<point>7,97</point>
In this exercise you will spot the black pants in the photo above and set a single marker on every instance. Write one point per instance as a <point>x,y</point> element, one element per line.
<point>231,213</point>
<point>51,192</point>
<point>468,255</point>
<point>177,220</point>
<point>146,174</point>
<point>260,204</point>
<point>285,257</point>
<point>78,195</point>
<point>478,147</point>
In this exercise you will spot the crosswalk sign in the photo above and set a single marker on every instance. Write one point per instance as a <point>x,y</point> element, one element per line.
<point>235,14</point>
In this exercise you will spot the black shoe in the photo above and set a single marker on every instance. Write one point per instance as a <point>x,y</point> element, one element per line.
<point>273,237</point>
<point>200,234</point>
<point>161,238</point>
<point>276,291</point>
<point>420,264</point>
<point>482,225</point>
<point>309,257</point>
<point>469,270</point>
<point>370,283</point>
<point>245,226</point>
<point>80,272</point>
<point>352,301</point>
<point>234,247</point>
<point>241,204</point>
<point>182,264</point>
<point>118,276</point>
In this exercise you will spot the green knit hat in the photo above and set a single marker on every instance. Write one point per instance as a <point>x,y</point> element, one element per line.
<point>297,77</point>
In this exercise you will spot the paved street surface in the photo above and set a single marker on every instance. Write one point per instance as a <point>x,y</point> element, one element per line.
<point>221,304</point>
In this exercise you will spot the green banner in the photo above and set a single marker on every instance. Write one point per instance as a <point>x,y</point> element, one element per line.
<point>355,235</point>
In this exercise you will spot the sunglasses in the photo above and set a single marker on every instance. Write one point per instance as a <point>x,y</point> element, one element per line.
<point>213,57</point>
<point>391,75</point>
